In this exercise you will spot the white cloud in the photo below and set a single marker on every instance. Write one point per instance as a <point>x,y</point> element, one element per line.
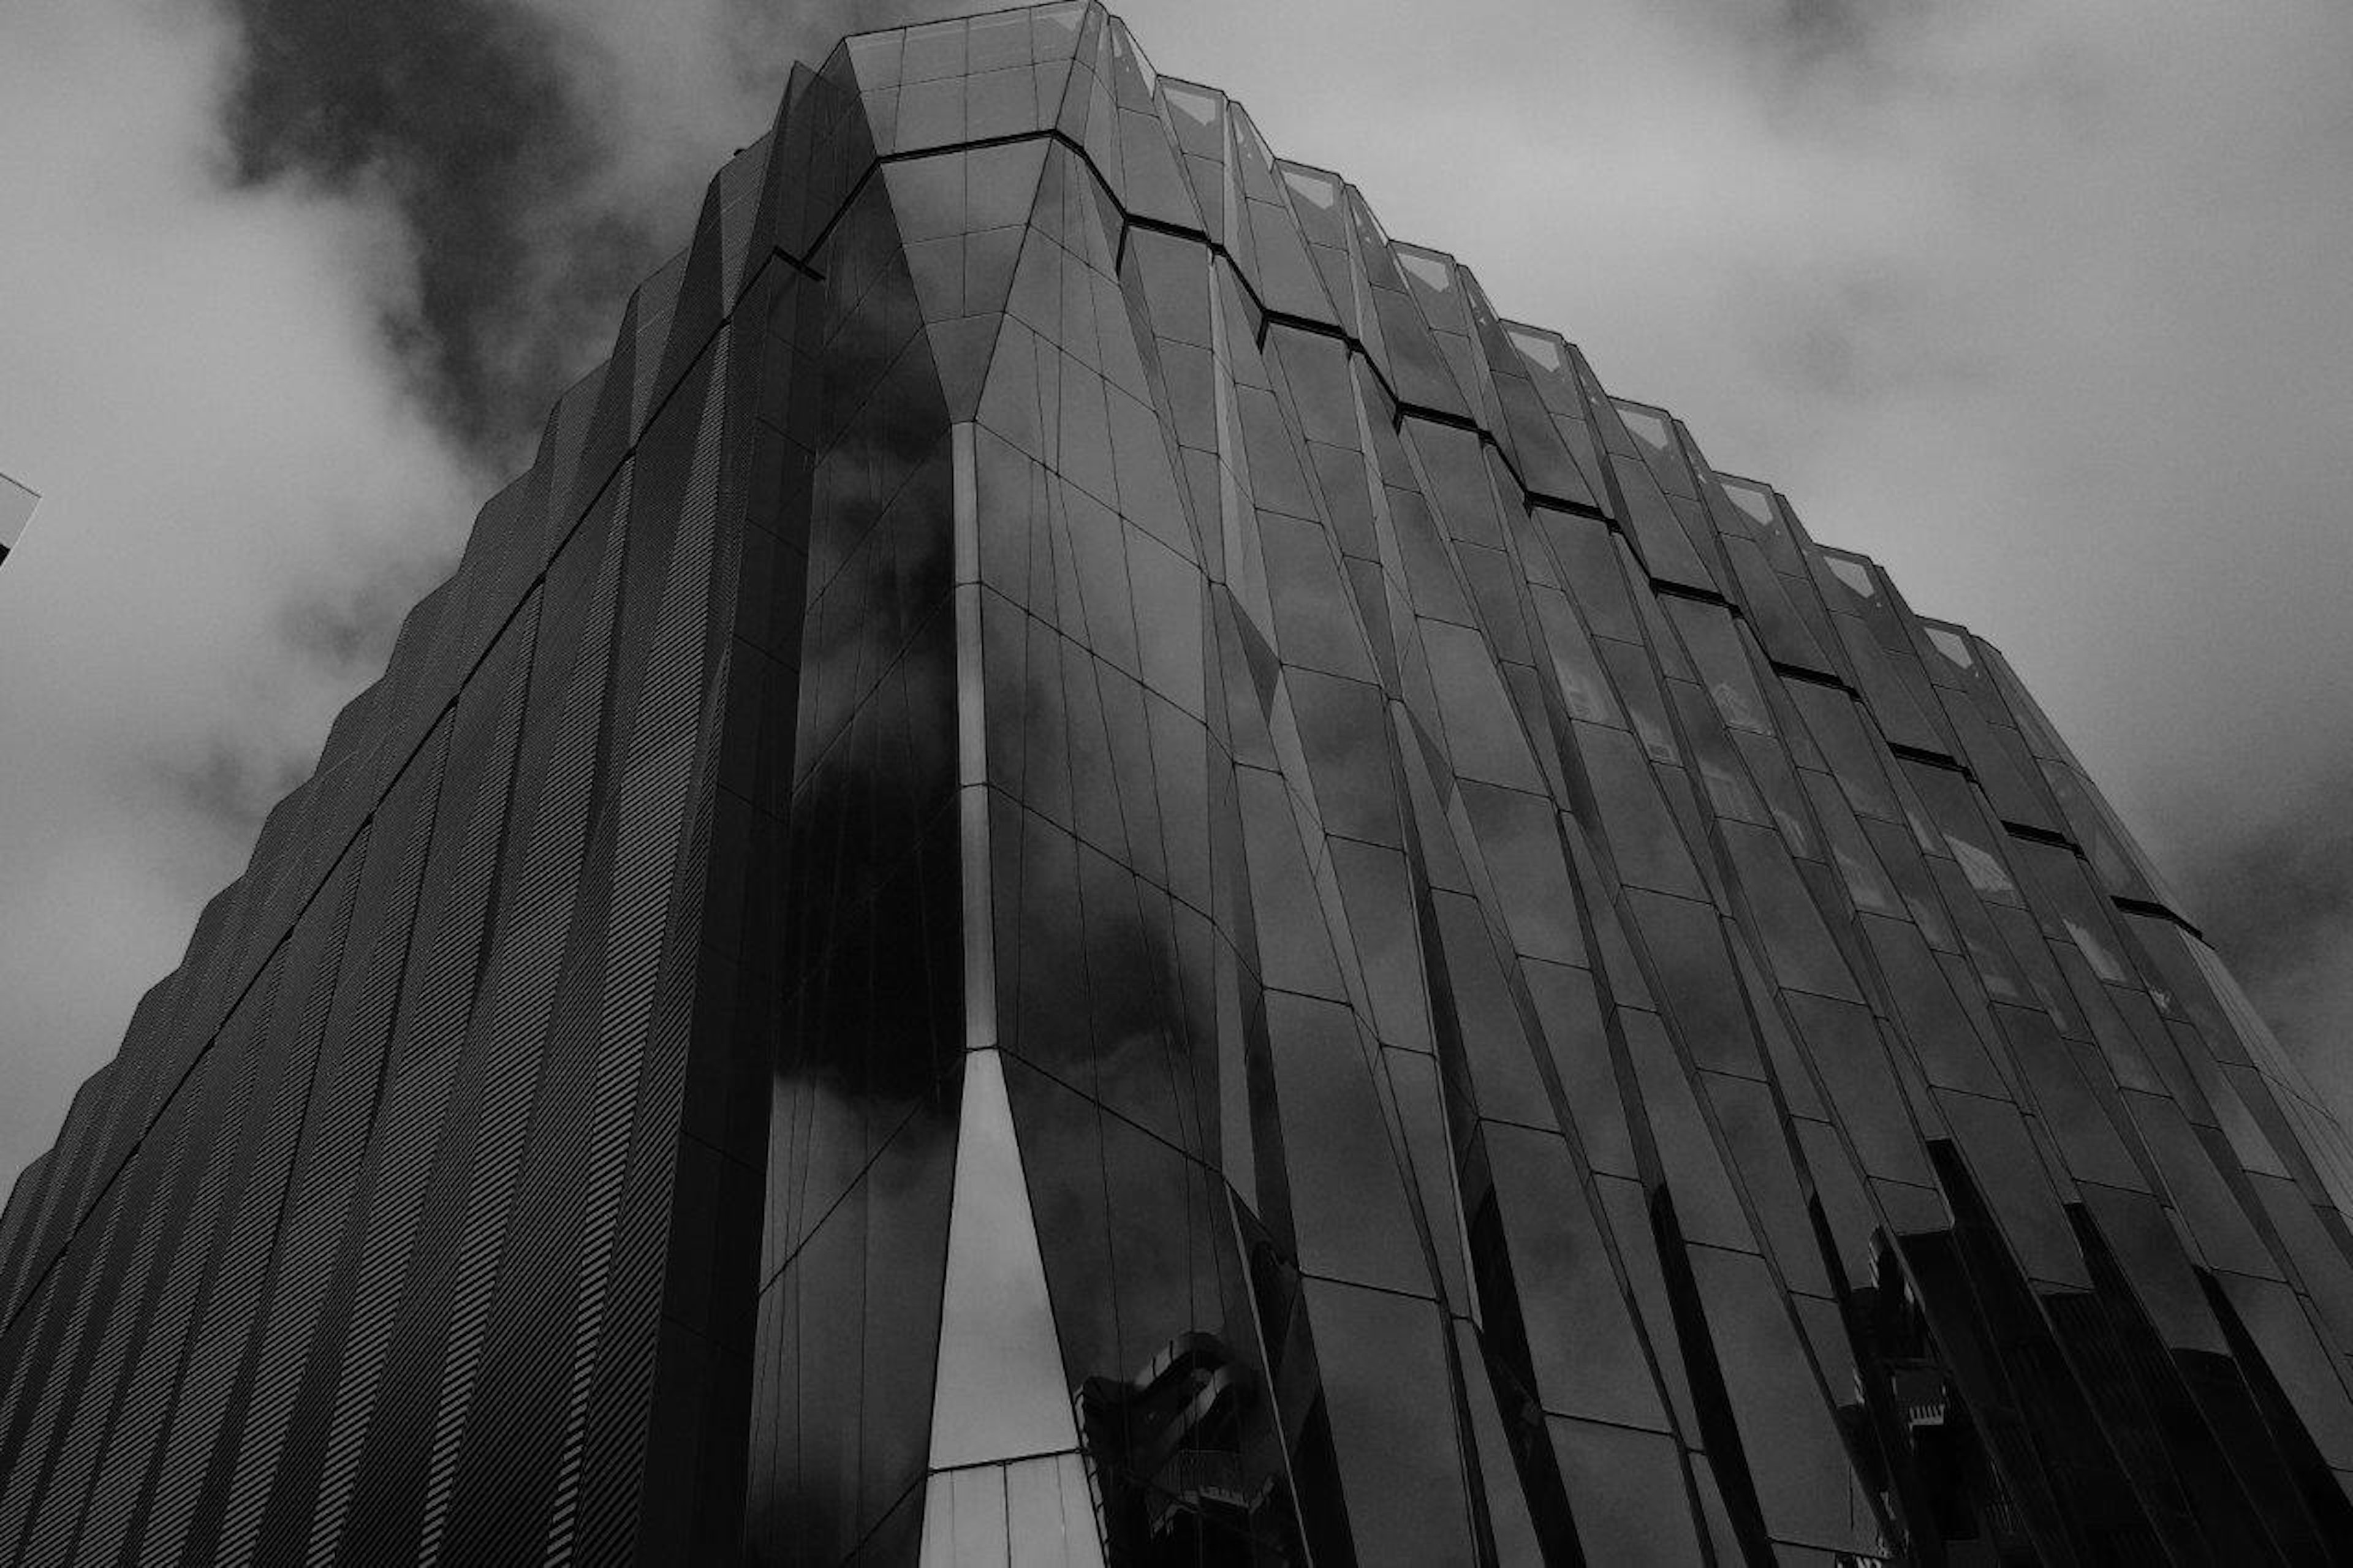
<point>2044,307</point>
<point>195,379</point>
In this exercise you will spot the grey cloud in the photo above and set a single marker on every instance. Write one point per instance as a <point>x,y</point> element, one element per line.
<point>2031,302</point>
<point>2273,893</point>
<point>1864,329</point>
<point>465,112</point>
<point>2278,886</point>
<point>1809,32</point>
<point>230,785</point>
<point>348,631</point>
<point>196,376</point>
<point>2034,303</point>
<point>542,157</point>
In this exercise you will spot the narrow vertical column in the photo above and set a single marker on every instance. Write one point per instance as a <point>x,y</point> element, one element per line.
<point>972,756</point>
<point>1007,1485</point>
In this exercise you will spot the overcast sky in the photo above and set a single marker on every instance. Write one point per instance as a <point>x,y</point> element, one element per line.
<point>2049,306</point>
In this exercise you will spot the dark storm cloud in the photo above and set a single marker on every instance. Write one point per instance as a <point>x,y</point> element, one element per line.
<point>230,786</point>
<point>466,114</point>
<point>534,169</point>
<point>2037,303</point>
<point>1807,32</point>
<point>536,161</point>
<point>541,156</point>
<point>2275,898</point>
<point>345,631</point>
<point>195,374</point>
<point>2276,886</point>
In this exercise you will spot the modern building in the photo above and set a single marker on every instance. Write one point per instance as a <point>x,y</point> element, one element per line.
<point>1089,874</point>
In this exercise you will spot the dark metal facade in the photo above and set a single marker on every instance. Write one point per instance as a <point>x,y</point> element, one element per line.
<point>1089,874</point>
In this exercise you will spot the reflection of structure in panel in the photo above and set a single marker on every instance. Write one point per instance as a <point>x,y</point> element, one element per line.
<point>17,504</point>
<point>1092,874</point>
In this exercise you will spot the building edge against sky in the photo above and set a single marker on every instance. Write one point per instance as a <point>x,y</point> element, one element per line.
<point>1090,873</point>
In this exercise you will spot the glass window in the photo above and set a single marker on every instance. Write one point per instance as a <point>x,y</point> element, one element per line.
<point>1851,570</point>
<point>1693,972</point>
<point>1572,1304</point>
<point>1583,688</point>
<point>1627,1493</point>
<point>1458,480</point>
<point>2008,1169</point>
<point>1347,1198</point>
<point>1386,1382</point>
<point>1648,425</point>
<point>1482,730</point>
<point>2204,1199</point>
<point>1323,394</point>
<point>1787,1433</point>
<point>1706,1203</point>
<point>1494,1039</point>
<point>1638,687</point>
<point>1836,727</point>
<point>1314,616</point>
<point>1658,535</point>
<point>1344,726</point>
<point>1848,1051</point>
<point>1175,277</point>
<point>1643,837</point>
<point>1346,487</point>
<point>1568,1010</point>
<point>1950,1052</point>
<point>1168,614</point>
<point>1755,501</point>
<point>1711,750</point>
<point>1952,643</point>
<point>1293,948</point>
<point>1428,565</point>
<point>1786,918</point>
<point>2304,1367</point>
<point>1381,922</point>
<point>1520,836</point>
<point>1715,647</point>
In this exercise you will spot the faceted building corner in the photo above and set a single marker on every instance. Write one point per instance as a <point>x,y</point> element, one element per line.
<point>1091,874</point>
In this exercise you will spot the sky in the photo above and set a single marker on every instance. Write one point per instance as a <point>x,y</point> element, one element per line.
<point>2045,307</point>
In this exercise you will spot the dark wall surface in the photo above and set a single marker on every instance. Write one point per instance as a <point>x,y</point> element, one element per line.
<point>1089,874</point>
